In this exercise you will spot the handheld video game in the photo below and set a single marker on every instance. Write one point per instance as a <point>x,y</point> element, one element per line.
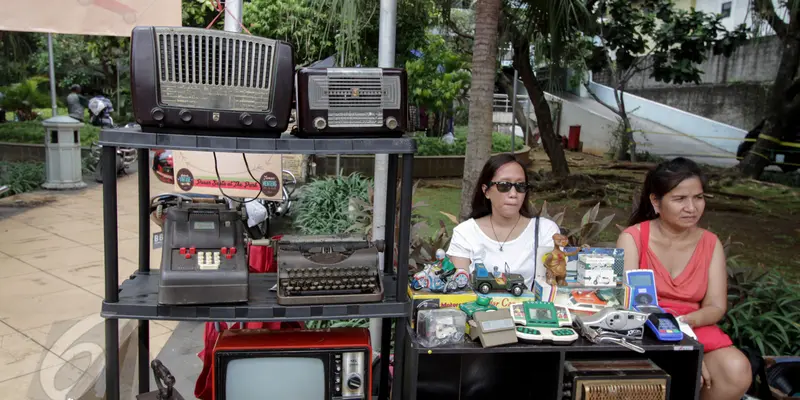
<point>539,322</point>
<point>642,297</point>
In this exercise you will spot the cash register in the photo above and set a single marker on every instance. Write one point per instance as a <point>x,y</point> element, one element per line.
<point>203,259</point>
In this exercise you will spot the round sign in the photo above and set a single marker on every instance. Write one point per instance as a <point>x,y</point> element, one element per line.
<point>270,185</point>
<point>184,179</point>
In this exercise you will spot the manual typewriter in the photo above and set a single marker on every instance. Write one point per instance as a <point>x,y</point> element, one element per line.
<point>328,270</point>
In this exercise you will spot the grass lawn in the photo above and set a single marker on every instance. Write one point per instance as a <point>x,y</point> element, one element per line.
<point>438,199</point>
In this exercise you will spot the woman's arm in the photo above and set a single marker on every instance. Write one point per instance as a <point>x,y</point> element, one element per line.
<point>715,303</point>
<point>460,262</point>
<point>459,251</point>
<point>628,245</point>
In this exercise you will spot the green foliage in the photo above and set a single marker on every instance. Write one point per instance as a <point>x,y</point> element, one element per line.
<point>293,21</point>
<point>21,177</point>
<point>657,36</point>
<point>200,13</point>
<point>439,78</point>
<point>32,132</point>
<point>324,206</point>
<point>589,230</point>
<point>434,146</point>
<point>24,96</point>
<point>763,311</point>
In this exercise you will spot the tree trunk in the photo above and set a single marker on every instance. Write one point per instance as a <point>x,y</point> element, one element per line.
<point>544,118</point>
<point>782,109</point>
<point>522,118</point>
<point>484,67</point>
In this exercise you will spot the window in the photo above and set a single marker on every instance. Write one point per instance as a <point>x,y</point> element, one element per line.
<point>726,9</point>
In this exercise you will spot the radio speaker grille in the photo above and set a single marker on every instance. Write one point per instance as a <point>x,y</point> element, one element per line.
<point>354,98</point>
<point>214,70</point>
<point>628,389</point>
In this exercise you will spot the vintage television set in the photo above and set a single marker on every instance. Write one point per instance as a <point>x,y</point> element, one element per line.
<point>351,102</point>
<point>191,80</point>
<point>329,364</point>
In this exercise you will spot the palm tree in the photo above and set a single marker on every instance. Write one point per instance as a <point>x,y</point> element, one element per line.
<point>484,67</point>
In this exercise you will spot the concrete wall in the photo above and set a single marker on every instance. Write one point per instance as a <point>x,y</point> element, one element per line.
<point>756,61</point>
<point>596,129</point>
<point>740,105</point>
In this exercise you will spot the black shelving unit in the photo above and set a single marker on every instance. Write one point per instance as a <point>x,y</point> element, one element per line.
<point>137,297</point>
<point>468,371</point>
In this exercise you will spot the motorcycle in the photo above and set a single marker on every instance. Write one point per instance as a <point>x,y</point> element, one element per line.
<point>100,109</point>
<point>430,278</point>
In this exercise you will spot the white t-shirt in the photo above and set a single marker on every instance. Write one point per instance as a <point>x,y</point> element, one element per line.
<point>468,240</point>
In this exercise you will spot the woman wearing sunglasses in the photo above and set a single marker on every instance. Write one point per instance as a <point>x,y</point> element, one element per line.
<point>501,230</point>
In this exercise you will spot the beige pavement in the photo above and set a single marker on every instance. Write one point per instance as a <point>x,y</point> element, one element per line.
<point>51,290</point>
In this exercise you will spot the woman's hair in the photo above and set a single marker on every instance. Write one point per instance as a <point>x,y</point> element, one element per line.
<point>660,181</point>
<point>481,206</point>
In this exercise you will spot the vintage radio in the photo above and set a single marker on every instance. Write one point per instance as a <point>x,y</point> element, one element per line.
<point>353,102</point>
<point>189,80</point>
<point>328,269</point>
<point>615,380</point>
<point>329,364</point>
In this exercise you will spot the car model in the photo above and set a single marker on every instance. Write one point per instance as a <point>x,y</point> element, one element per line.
<point>485,282</point>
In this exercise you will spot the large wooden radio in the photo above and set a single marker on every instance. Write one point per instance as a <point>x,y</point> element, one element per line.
<point>187,80</point>
<point>615,380</point>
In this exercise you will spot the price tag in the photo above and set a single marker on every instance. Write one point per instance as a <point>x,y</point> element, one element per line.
<point>158,240</point>
<point>683,348</point>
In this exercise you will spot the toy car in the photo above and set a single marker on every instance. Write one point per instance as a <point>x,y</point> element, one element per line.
<point>486,282</point>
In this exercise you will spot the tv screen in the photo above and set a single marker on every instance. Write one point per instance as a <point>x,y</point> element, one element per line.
<point>275,378</point>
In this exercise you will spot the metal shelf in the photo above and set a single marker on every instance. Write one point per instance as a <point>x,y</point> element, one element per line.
<point>229,143</point>
<point>138,299</point>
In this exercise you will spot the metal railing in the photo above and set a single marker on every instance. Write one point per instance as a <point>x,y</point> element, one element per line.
<point>3,190</point>
<point>502,103</point>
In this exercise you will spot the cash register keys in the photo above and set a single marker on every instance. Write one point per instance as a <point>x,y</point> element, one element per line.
<point>203,260</point>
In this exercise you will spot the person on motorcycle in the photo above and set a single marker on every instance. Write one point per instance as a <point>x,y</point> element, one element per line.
<point>100,109</point>
<point>76,103</point>
<point>447,269</point>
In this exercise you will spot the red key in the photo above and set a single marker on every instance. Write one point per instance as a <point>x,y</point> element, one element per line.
<point>188,256</point>
<point>192,250</point>
<point>228,256</point>
<point>183,250</point>
<point>224,250</point>
<point>233,250</point>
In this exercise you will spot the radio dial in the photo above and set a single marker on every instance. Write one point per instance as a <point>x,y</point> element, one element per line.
<point>320,123</point>
<point>391,123</point>
<point>246,119</point>
<point>272,121</point>
<point>157,113</point>
<point>354,382</point>
<point>185,115</point>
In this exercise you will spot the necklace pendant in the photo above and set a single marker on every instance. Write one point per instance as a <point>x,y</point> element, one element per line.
<point>501,248</point>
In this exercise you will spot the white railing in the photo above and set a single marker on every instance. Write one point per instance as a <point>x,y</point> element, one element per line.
<point>502,103</point>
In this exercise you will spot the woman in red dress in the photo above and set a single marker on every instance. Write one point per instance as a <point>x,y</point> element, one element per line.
<point>689,267</point>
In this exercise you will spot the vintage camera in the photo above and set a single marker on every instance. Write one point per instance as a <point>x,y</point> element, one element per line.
<point>620,322</point>
<point>354,102</point>
<point>189,80</point>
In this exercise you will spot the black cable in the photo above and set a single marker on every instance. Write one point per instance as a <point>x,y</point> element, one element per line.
<point>219,181</point>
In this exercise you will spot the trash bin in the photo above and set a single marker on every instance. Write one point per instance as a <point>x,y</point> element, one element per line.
<point>62,146</point>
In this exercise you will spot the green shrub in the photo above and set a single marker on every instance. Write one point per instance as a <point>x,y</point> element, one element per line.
<point>763,311</point>
<point>324,204</point>
<point>434,146</point>
<point>32,132</point>
<point>21,177</point>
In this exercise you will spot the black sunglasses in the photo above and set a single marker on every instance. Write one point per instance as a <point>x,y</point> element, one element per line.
<point>504,187</point>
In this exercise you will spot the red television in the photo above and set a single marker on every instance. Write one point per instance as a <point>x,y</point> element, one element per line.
<point>258,364</point>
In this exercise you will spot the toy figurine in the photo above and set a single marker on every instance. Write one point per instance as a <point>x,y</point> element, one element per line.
<point>440,276</point>
<point>556,261</point>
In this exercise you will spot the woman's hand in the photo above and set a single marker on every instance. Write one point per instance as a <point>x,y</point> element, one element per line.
<point>705,377</point>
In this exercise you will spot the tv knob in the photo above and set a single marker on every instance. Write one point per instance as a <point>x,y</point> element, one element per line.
<point>246,119</point>
<point>391,122</point>
<point>320,123</point>
<point>185,115</point>
<point>271,121</point>
<point>354,382</point>
<point>157,113</point>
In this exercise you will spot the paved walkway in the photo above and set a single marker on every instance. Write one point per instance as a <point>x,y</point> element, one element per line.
<point>51,290</point>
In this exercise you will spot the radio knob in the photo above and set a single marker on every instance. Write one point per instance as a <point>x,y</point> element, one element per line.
<point>271,121</point>
<point>354,382</point>
<point>185,115</point>
<point>157,113</point>
<point>320,123</point>
<point>246,119</point>
<point>391,123</point>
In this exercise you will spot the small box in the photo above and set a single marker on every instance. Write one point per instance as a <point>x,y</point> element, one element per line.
<point>596,270</point>
<point>440,327</point>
